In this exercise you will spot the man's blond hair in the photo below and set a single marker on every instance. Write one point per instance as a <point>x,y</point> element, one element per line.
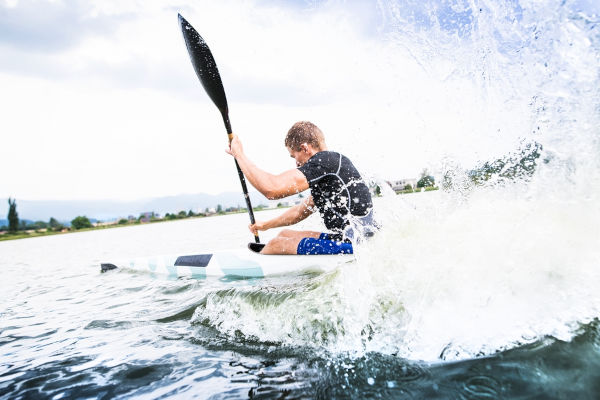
<point>304,132</point>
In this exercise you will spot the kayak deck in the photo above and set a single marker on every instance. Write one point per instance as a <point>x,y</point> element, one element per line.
<point>243,263</point>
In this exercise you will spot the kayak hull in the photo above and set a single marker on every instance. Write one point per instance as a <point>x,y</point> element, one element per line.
<point>243,263</point>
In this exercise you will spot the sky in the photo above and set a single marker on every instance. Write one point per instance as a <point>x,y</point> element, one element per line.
<point>100,101</point>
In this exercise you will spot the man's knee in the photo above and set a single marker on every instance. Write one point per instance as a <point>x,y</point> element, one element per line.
<point>286,233</point>
<point>281,245</point>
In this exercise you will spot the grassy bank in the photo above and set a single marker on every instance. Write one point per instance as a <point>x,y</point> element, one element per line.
<point>117,224</point>
<point>427,189</point>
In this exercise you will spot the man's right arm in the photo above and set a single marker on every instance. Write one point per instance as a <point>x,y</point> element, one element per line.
<point>271,186</point>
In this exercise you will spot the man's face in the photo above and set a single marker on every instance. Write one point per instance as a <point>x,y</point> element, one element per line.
<point>301,156</point>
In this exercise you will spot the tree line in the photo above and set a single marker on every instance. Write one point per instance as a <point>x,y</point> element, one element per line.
<point>15,225</point>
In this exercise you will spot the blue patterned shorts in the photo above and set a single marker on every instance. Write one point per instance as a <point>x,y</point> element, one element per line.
<point>327,243</point>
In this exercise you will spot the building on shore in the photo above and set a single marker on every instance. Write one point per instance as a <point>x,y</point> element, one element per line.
<point>401,184</point>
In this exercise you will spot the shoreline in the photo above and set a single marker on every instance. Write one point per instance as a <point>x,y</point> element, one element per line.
<point>26,235</point>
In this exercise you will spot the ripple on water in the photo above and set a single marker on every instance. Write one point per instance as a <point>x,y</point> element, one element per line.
<point>481,387</point>
<point>110,324</point>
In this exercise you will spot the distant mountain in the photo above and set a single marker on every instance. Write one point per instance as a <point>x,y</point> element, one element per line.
<point>65,211</point>
<point>4,222</point>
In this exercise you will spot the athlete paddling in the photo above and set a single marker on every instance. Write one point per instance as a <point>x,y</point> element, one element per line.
<point>337,192</point>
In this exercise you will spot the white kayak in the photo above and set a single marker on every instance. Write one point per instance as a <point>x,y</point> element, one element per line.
<point>242,263</point>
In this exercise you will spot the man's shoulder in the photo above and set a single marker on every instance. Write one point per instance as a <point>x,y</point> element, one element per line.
<point>325,156</point>
<point>320,165</point>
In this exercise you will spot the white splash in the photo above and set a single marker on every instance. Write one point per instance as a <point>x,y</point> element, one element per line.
<point>473,269</point>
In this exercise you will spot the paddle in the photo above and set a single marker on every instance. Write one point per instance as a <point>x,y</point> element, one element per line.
<point>206,70</point>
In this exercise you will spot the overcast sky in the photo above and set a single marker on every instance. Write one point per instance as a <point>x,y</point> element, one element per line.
<point>99,98</point>
<point>100,101</point>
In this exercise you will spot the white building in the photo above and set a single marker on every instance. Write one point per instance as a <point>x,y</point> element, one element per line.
<point>400,184</point>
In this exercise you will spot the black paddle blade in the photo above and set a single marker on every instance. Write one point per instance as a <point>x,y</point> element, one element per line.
<point>256,247</point>
<point>205,66</point>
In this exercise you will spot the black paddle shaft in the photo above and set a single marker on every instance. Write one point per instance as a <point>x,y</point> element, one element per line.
<point>208,74</point>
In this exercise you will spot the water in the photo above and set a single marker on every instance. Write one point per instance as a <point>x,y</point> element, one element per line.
<point>396,327</point>
<point>474,291</point>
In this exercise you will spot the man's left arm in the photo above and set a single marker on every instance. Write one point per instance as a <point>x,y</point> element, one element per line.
<point>291,216</point>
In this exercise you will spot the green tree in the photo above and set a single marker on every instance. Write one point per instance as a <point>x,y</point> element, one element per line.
<point>513,166</point>
<point>81,222</point>
<point>38,225</point>
<point>426,180</point>
<point>219,208</point>
<point>170,217</point>
<point>13,216</point>
<point>55,225</point>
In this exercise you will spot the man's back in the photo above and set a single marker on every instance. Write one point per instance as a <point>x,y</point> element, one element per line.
<point>337,188</point>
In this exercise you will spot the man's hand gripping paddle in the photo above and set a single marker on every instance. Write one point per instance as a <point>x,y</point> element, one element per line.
<point>206,69</point>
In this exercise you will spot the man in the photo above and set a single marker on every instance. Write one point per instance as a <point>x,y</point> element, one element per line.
<point>337,191</point>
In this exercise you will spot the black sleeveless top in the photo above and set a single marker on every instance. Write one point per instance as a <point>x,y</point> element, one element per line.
<point>337,189</point>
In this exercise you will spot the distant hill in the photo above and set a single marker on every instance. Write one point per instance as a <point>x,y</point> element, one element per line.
<point>109,210</point>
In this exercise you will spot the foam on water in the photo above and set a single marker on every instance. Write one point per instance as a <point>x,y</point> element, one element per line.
<point>472,269</point>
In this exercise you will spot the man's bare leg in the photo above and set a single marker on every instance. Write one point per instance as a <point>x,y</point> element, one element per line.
<point>286,242</point>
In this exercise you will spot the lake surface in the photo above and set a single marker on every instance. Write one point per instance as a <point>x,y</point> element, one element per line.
<point>431,309</point>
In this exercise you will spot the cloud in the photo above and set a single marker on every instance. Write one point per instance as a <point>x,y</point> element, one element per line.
<point>292,54</point>
<point>51,26</point>
<point>113,43</point>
